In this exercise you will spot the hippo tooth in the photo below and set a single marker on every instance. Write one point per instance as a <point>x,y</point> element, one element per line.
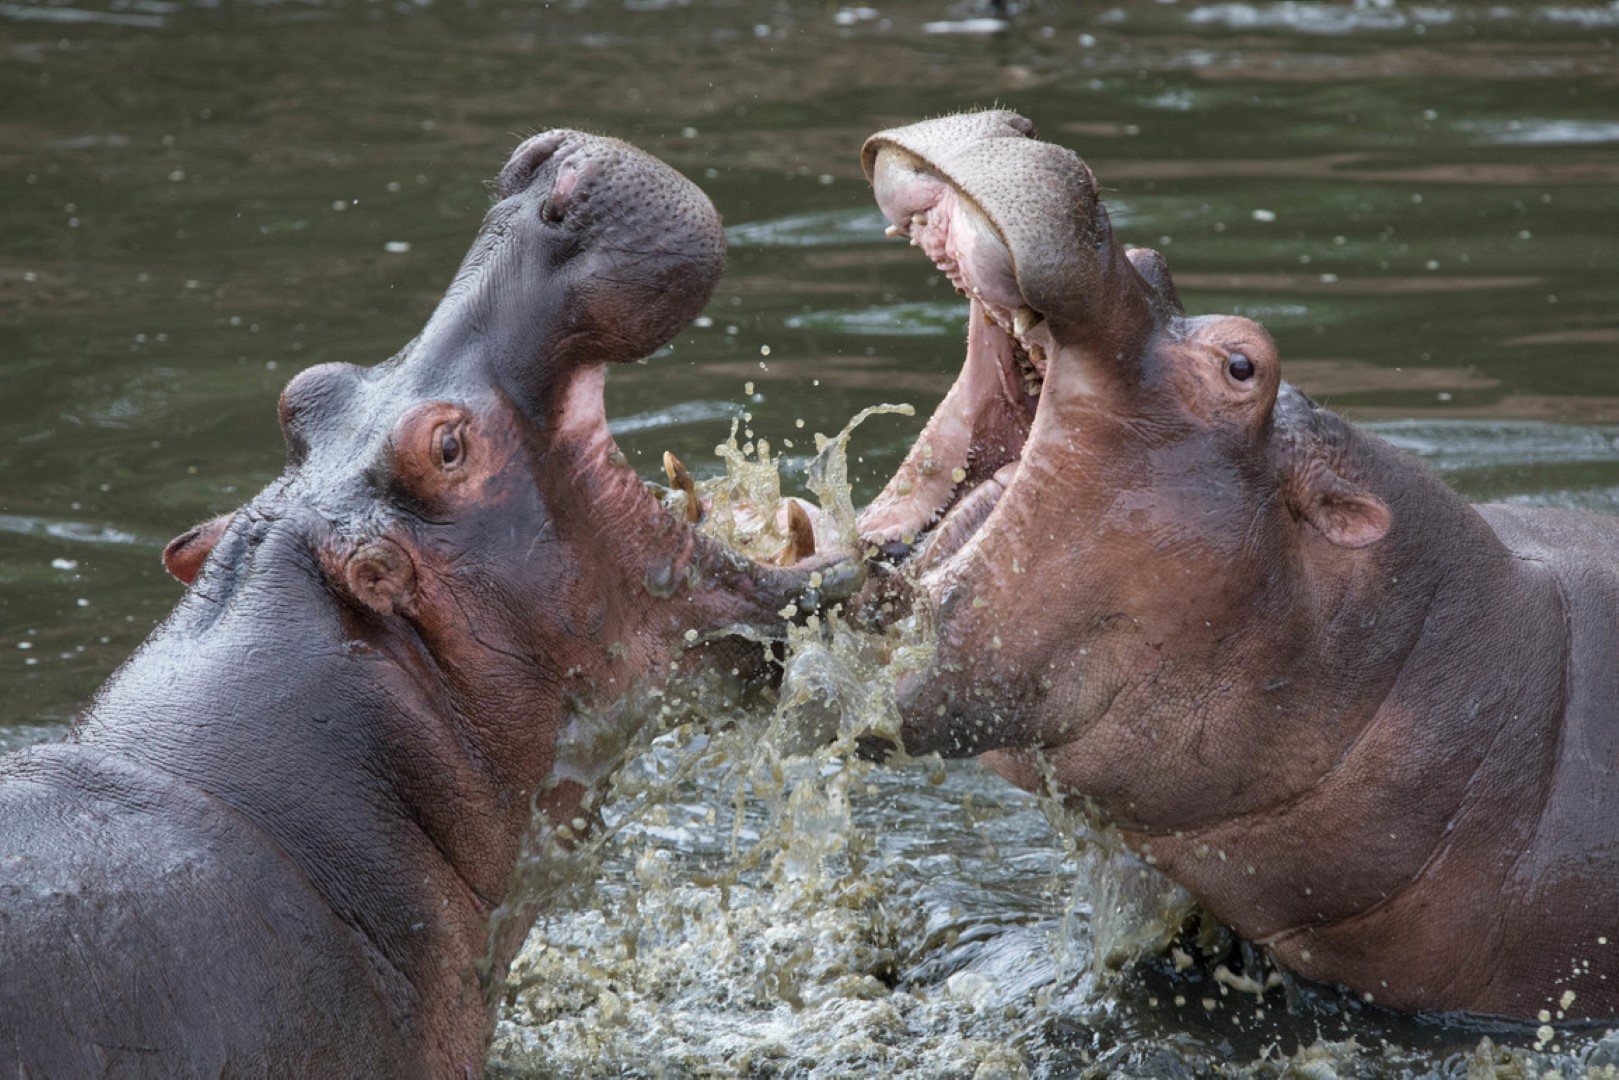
<point>800,535</point>
<point>674,469</point>
<point>919,219</point>
<point>893,230</point>
<point>1024,320</point>
<point>680,477</point>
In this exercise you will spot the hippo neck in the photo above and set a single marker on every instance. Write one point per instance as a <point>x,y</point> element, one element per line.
<point>274,702</point>
<point>1423,712</point>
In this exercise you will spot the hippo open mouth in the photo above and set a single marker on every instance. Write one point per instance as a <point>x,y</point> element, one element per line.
<point>974,444</point>
<point>1016,226</point>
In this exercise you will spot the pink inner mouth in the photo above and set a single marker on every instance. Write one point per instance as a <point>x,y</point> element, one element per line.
<point>971,447</point>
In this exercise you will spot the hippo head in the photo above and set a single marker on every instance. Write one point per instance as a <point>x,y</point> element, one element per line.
<point>1114,499</point>
<point>463,507</point>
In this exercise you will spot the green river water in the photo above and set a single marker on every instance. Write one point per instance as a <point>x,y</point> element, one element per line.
<point>199,199</point>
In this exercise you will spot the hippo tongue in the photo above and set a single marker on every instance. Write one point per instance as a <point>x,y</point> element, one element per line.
<point>978,428</point>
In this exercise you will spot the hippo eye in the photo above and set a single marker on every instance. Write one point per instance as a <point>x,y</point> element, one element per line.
<point>1239,367</point>
<point>449,446</point>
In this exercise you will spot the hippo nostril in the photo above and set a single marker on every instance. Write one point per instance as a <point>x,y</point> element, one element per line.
<point>572,186</point>
<point>526,161</point>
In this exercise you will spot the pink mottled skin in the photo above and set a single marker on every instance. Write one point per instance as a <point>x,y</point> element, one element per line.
<point>1370,726</point>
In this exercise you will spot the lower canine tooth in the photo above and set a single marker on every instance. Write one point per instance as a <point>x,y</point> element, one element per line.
<point>680,477</point>
<point>893,230</point>
<point>1037,355</point>
<point>800,536</point>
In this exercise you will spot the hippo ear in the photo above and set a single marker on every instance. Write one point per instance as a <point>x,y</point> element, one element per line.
<point>1349,516</point>
<point>1155,272</point>
<point>185,554</point>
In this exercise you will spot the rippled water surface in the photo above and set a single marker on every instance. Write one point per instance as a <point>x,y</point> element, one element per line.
<point>197,200</point>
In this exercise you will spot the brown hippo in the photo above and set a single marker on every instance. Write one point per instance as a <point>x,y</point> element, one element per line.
<point>1373,728</point>
<point>274,843</point>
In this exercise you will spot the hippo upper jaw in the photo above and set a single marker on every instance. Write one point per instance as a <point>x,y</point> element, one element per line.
<point>1017,228</point>
<point>977,435</point>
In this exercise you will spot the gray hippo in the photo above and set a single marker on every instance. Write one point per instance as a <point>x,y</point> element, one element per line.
<point>277,841</point>
<point>1373,728</point>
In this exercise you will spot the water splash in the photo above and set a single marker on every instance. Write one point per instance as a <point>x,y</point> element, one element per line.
<point>755,898</point>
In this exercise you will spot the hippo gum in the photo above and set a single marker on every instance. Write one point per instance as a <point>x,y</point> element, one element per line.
<point>277,840</point>
<point>1368,725</point>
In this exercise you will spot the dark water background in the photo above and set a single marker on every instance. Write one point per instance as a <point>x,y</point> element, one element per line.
<point>197,200</point>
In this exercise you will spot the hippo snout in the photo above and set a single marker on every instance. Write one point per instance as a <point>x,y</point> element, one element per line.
<point>595,253</point>
<point>1039,200</point>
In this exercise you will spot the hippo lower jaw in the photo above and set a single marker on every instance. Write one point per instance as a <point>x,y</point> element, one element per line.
<point>660,546</point>
<point>979,435</point>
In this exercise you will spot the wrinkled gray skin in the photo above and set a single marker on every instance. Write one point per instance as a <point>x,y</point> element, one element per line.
<point>277,842</point>
<point>1371,727</point>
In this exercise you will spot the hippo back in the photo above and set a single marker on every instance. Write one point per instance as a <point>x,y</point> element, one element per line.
<point>146,929</point>
<point>1574,846</point>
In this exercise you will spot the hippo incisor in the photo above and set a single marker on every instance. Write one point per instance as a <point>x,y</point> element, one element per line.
<point>1368,725</point>
<point>274,843</point>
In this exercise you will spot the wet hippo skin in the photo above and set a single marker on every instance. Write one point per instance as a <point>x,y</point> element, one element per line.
<point>276,841</point>
<point>1370,726</point>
